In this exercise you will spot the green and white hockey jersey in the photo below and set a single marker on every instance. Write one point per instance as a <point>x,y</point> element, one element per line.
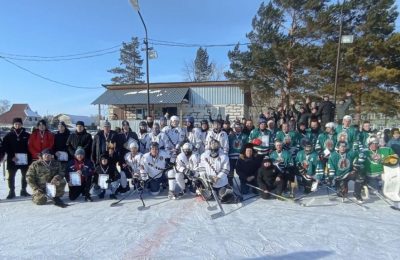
<point>349,135</point>
<point>282,158</point>
<point>341,164</point>
<point>311,163</point>
<point>373,165</point>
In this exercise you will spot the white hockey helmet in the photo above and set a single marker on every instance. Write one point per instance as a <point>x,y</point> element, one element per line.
<point>133,144</point>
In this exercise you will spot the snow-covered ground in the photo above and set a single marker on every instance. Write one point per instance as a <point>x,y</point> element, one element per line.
<point>183,229</point>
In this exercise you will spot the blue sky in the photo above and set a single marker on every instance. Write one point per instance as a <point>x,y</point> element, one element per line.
<point>64,27</point>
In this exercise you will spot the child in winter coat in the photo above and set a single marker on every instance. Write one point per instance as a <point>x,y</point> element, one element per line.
<point>269,179</point>
<point>107,169</point>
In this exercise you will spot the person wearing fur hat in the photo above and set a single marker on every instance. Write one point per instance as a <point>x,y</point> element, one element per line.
<point>105,168</point>
<point>247,166</point>
<point>40,139</point>
<point>269,178</point>
<point>18,157</point>
<point>102,141</point>
<point>79,175</point>
<point>80,138</point>
<point>237,141</point>
<point>46,171</point>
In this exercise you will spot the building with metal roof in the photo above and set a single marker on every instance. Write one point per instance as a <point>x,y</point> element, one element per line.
<point>197,99</point>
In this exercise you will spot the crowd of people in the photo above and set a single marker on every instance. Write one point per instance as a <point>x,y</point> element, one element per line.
<point>285,149</point>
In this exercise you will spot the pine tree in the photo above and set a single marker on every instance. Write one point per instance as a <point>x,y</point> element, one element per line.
<point>131,61</point>
<point>369,66</point>
<point>283,49</point>
<point>202,68</point>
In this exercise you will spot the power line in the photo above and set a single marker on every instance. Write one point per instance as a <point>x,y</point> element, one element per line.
<point>46,78</point>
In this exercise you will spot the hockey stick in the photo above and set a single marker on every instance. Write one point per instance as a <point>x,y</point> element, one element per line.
<point>143,207</point>
<point>124,197</point>
<point>271,193</point>
<point>379,195</point>
<point>209,184</point>
<point>350,199</point>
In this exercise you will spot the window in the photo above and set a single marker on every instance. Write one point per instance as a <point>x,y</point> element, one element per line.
<point>140,112</point>
<point>30,118</point>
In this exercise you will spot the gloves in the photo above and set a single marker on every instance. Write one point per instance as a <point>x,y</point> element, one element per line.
<point>56,180</point>
<point>109,181</point>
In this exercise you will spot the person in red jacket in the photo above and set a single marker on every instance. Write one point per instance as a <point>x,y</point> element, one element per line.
<point>40,139</point>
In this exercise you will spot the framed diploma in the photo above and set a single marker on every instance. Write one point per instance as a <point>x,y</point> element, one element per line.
<point>75,179</point>
<point>62,156</point>
<point>22,159</point>
<point>103,178</point>
<point>50,190</point>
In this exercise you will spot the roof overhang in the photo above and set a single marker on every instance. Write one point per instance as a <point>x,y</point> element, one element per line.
<point>139,96</point>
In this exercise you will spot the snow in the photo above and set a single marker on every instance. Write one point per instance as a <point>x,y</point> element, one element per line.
<point>142,92</point>
<point>183,229</point>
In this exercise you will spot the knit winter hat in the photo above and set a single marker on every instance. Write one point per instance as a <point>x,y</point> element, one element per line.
<point>80,151</point>
<point>80,123</point>
<point>41,122</point>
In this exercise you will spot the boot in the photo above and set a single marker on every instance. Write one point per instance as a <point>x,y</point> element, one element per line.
<point>358,198</point>
<point>59,203</point>
<point>113,197</point>
<point>11,195</point>
<point>88,198</point>
<point>24,193</point>
<point>101,195</point>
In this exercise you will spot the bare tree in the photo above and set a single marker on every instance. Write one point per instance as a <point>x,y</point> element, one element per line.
<point>4,105</point>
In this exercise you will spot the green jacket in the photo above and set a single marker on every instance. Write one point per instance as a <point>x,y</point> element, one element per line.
<point>263,136</point>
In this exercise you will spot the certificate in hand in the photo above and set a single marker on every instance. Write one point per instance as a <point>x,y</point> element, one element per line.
<point>75,179</point>
<point>103,178</point>
<point>22,159</point>
<point>50,190</point>
<point>265,140</point>
<point>62,156</point>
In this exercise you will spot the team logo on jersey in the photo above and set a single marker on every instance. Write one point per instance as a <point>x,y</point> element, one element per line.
<point>328,144</point>
<point>237,144</point>
<point>343,164</point>
<point>375,158</point>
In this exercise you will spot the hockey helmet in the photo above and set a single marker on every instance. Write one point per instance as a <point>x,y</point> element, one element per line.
<point>214,147</point>
<point>133,144</point>
<point>187,149</point>
<point>143,125</point>
<point>154,145</point>
<point>190,119</point>
<point>156,129</point>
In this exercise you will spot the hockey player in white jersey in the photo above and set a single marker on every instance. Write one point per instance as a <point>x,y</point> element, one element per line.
<point>144,138</point>
<point>175,138</point>
<point>131,167</point>
<point>217,134</point>
<point>214,169</point>
<point>186,167</point>
<point>152,167</point>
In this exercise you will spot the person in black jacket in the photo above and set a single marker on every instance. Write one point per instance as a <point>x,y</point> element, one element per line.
<point>80,138</point>
<point>16,146</point>
<point>246,168</point>
<point>269,178</point>
<point>60,144</point>
<point>326,111</point>
<point>102,141</point>
<point>122,141</point>
<point>111,171</point>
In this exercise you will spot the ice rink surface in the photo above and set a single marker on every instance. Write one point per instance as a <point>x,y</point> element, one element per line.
<point>183,229</point>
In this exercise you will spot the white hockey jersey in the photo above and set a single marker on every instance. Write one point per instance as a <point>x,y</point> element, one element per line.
<point>161,139</point>
<point>133,161</point>
<point>153,166</point>
<point>174,137</point>
<point>222,137</point>
<point>184,163</point>
<point>194,138</point>
<point>210,167</point>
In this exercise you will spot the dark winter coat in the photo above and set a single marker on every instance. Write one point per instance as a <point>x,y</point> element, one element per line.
<point>16,144</point>
<point>246,167</point>
<point>99,145</point>
<point>60,142</point>
<point>82,139</point>
<point>85,166</point>
<point>110,170</point>
<point>120,141</point>
<point>1,150</point>
<point>326,111</point>
<point>266,177</point>
<point>343,109</point>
